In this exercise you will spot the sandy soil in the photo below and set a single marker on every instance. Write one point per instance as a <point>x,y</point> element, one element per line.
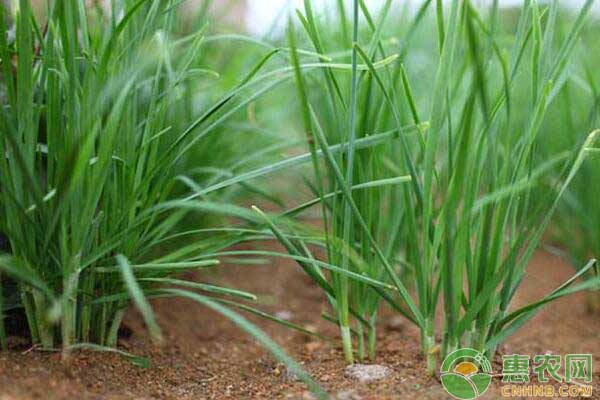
<point>207,357</point>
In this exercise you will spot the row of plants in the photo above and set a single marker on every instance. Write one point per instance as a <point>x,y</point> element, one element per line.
<point>436,163</point>
<point>449,206</point>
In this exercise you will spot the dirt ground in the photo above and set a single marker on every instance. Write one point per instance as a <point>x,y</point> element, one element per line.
<point>207,357</point>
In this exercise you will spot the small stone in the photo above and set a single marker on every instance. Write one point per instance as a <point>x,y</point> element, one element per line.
<point>290,376</point>
<point>348,395</point>
<point>367,373</point>
<point>284,315</point>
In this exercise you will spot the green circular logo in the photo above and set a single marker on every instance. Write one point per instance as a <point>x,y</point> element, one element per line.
<point>466,374</point>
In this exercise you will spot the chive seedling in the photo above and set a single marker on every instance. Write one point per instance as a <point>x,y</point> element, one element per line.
<point>465,225</point>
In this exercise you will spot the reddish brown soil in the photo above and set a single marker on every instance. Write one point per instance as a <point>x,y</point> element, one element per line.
<point>207,357</point>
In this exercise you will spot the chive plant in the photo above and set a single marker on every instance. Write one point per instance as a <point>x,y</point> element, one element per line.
<point>85,116</point>
<point>480,227</point>
<point>462,225</point>
<point>575,228</point>
<point>96,129</point>
<point>353,187</point>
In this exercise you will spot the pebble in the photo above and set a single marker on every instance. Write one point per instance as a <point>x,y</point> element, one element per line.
<point>367,372</point>
<point>284,315</point>
<point>290,376</point>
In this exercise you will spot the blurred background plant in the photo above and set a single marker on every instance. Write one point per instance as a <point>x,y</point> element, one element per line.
<point>575,232</point>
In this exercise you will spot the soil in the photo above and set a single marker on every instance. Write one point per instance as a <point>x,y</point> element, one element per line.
<point>206,357</point>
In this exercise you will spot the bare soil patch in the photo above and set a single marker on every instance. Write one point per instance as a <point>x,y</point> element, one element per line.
<point>207,357</point>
